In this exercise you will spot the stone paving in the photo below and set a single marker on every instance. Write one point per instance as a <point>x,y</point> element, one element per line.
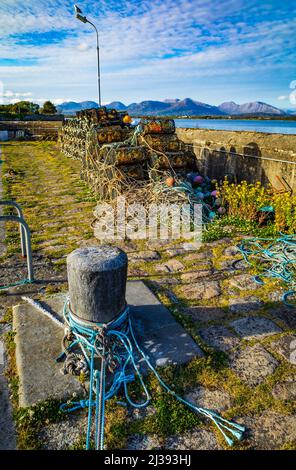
<point>248,371</point>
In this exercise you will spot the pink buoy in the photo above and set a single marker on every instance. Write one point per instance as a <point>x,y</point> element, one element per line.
<point>214,193</point>
<point>198,179</point>
<point>221,210</point>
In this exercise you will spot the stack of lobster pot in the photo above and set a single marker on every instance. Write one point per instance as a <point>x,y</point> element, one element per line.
<point>84,137</point>
<point>101,125</point>
<point>167,151</point>
<point>114,153</point>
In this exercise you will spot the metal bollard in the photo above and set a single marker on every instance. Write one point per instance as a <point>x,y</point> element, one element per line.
<point>97,279</point>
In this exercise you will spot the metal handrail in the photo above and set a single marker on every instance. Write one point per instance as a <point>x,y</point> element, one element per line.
<point>20,215</point>
<point>27,234</point>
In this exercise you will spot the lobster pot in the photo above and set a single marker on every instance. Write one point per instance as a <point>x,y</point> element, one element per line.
<point>101,116</point>
<point>157,126</point>
<point>173,160</point>
<point>97,283</point>
<point>125,155</point>
<point>108,135</point>
<point>135,172</point>
<point>161,142</point>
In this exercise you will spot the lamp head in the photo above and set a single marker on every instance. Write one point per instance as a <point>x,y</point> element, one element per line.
<point>77,10</point>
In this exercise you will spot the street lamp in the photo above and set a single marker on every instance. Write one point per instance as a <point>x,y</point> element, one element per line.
<point>83,19</point>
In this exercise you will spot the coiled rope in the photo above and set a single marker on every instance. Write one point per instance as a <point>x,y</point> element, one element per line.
<point>116,346</point>
<point>277,256</point>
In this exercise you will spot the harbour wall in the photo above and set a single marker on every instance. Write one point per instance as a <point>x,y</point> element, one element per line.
<point>32,129</point>
<point>250,156</point>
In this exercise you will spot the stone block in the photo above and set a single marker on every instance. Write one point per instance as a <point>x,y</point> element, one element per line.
<point>252,328</point>
<point>286,347</point>
<point>202,290</point>
<point>219,337</point>
<point>253,364</point>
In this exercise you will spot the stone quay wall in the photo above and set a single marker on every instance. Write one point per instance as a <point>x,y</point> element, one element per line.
<point>32,129</point>
<point>250,156</point>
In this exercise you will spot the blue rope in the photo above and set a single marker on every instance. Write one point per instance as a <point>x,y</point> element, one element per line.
<point>278,257</point>
<point>20,283</point>
<point>117,338</point>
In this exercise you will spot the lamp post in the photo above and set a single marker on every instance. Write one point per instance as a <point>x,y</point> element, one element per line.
<point>83,19</point>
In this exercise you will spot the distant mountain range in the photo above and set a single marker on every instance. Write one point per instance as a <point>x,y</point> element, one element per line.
<point>176,107</point>
<point>256,107</point>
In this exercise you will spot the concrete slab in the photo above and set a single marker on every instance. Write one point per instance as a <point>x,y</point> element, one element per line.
<point>162,338</point>
<point>38,343</point>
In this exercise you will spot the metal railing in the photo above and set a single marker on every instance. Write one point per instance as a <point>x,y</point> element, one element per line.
<point>25,234</point>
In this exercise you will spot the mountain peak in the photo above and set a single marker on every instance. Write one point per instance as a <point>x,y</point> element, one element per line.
<point>118,105</point>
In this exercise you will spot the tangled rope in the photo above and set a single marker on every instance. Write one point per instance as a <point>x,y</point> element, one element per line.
<point>119,352</point>
<point>277,258</point>
<point>185,188</point>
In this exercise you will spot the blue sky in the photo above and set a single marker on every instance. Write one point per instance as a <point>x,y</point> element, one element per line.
<point>211,51</point>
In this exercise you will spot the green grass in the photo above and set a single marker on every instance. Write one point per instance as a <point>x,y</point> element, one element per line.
<point>231,227</point>
<point>43,178</point>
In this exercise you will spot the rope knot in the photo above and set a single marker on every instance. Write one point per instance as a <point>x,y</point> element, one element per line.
<point>75,364</point>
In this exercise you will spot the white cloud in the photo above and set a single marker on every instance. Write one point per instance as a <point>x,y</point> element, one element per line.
<point>11,94</point>
<point>144,44</point>
<point>58,101</point>
<point>8,96</point>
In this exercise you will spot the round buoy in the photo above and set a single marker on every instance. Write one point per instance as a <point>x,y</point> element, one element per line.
<point>198,179</point>
<point>170,182</point>
<point>127,119</point>
<point>222,210</point>
<point>200,195</point>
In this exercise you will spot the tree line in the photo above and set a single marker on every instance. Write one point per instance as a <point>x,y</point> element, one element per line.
<point>27,107</point>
